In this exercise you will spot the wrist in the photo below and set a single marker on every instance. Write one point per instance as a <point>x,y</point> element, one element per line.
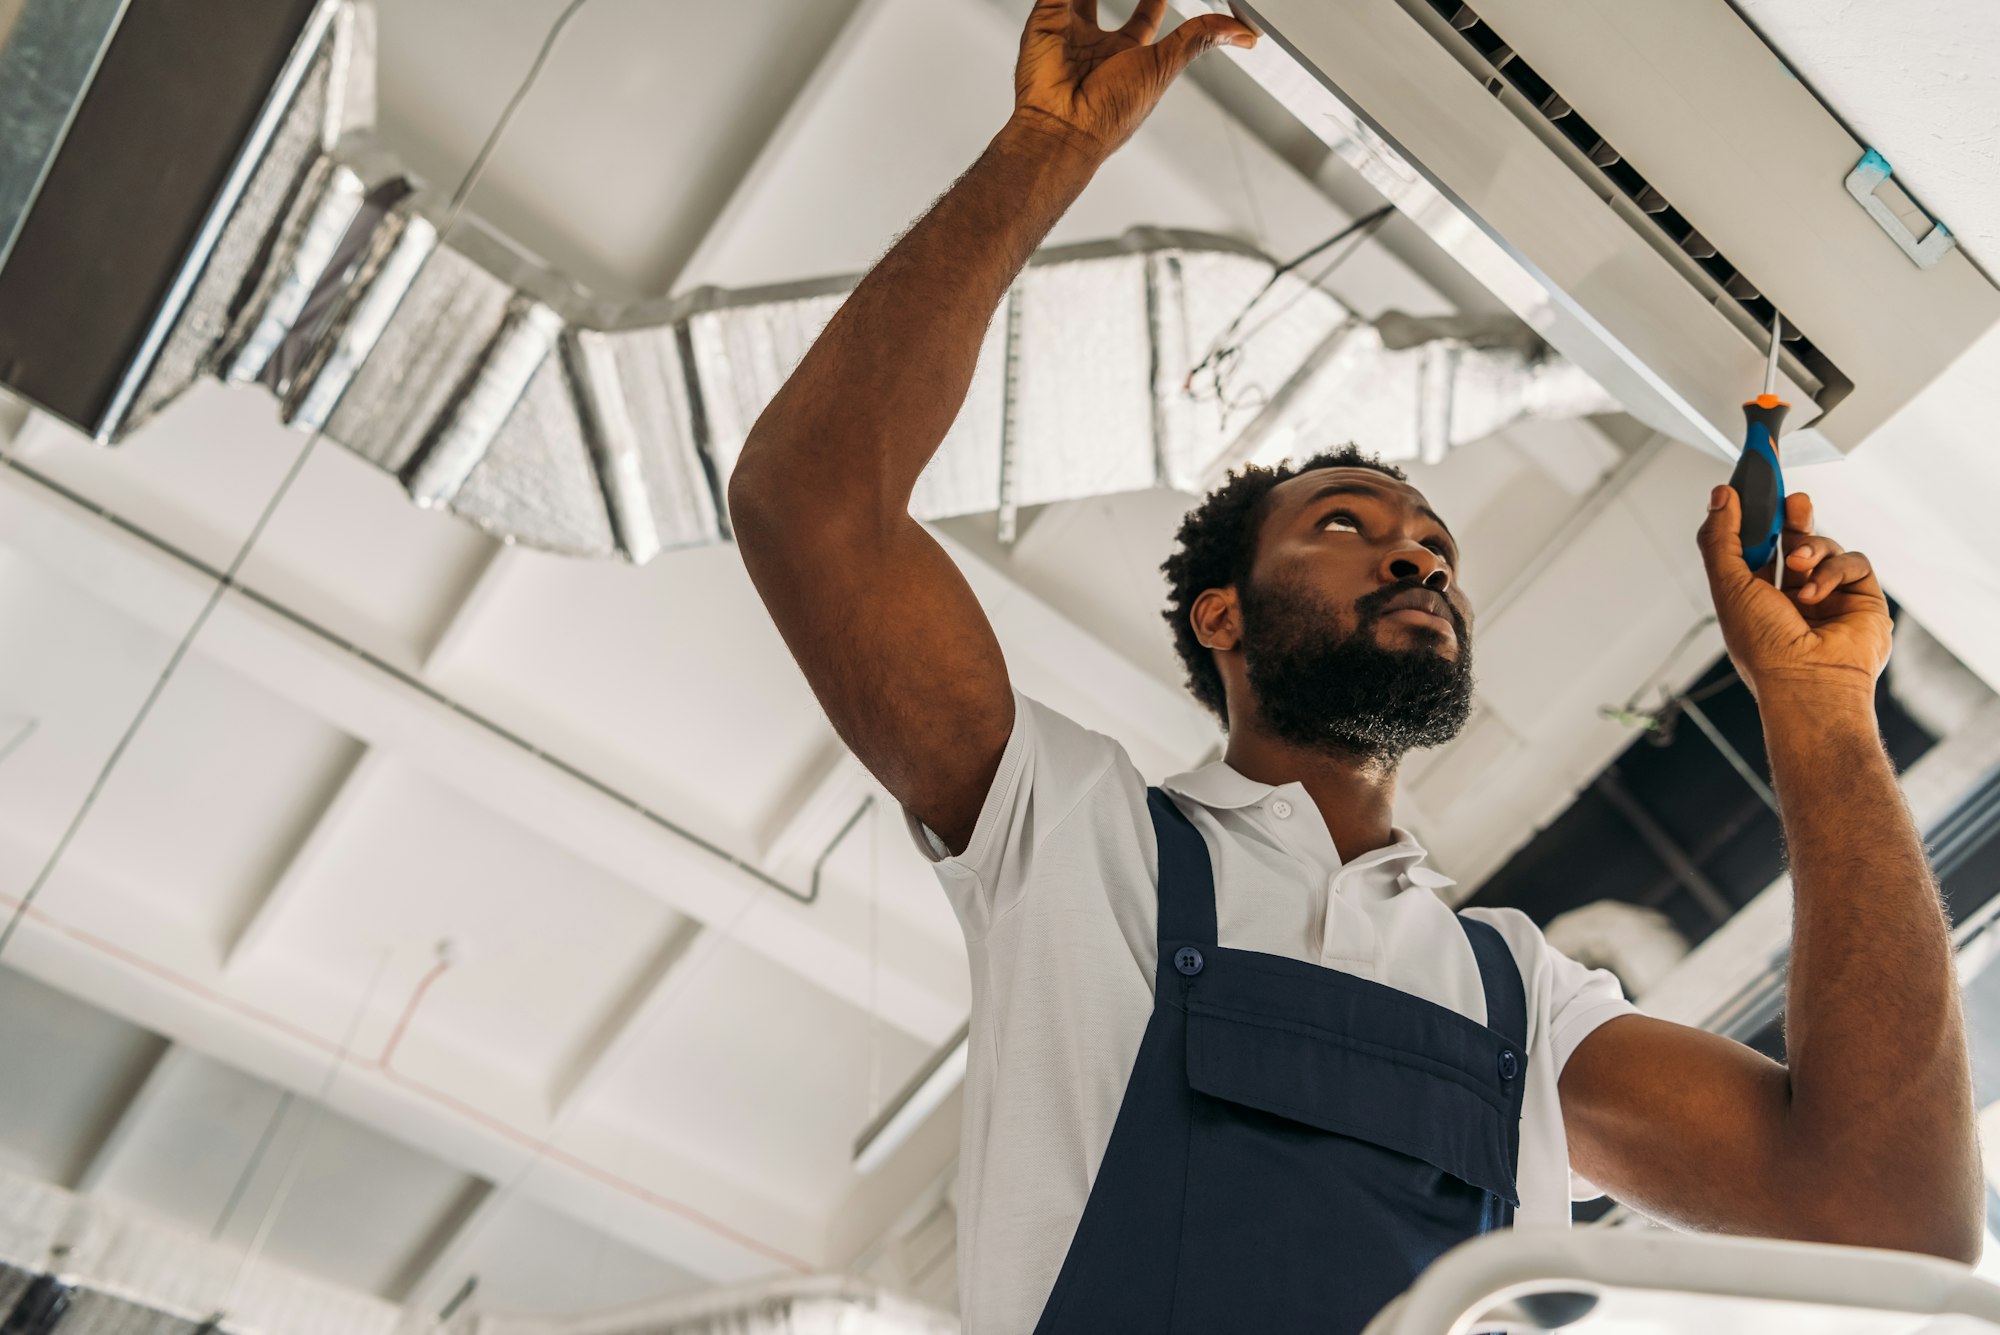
<point>1049,140</point>
<point>1800,712</point>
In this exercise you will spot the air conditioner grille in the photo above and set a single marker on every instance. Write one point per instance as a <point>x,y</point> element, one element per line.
<point>1597,156</point>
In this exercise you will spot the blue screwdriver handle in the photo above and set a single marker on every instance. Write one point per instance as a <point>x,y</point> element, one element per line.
<point>1759,481</point>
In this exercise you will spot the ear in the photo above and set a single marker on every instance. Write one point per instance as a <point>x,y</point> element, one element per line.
<point>1217,621</point>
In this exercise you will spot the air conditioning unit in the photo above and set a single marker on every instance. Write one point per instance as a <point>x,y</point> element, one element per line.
<point>1645,185</point>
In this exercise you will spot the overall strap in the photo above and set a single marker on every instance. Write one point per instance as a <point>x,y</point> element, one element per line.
<point>1187,881</point>
<point>1506,997</point>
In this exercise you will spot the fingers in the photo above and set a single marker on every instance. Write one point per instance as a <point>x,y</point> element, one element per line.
<point>1803,555</point>
<point>1145,20</point>
<point>1844,571</point>
<point>1177,50</point>
<point>1798,514</point>
<point>1721,541</point>
<point>1085,10</point>
<point>1052,16</point>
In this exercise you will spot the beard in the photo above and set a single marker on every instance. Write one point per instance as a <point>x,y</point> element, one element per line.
<point>1327,687</point>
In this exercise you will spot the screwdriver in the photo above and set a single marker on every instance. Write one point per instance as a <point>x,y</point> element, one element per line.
<point>1759,482</point>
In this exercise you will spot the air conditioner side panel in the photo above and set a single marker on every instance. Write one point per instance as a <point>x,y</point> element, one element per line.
<point>1693,97</point>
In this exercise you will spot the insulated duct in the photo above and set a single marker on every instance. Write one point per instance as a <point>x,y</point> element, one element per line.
<point>84,1265</point>
<point>76,1265</point>
<point>821,1305</point>
<point>494,388</point>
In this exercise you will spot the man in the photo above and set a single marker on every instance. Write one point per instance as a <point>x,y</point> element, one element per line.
<point>1234,1065</point>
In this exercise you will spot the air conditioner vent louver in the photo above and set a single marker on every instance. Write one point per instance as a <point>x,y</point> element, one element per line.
<point>1596,156</point>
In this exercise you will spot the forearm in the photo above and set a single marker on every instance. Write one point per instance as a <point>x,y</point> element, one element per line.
<point>873,399</point>
<point>1881,1100</point>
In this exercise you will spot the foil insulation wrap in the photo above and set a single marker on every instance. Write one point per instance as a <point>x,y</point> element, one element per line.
<point>492,387</point>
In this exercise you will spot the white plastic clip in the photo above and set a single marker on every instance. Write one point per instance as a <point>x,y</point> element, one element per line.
<point>1870,172</point>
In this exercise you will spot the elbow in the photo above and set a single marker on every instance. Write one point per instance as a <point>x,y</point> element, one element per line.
<point>753,497</point>
<point>1948,1225</point>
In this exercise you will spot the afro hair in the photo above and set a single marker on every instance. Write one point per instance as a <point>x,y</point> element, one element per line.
<point>1215,547</point>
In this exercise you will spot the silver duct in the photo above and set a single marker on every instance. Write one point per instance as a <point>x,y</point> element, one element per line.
<point>496,389</point>
<point>823,1305</point>
<point>76,1265</point>
<point>82,1265</point>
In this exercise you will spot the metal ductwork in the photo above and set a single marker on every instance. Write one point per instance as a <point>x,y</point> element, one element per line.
<point>77,1265</point>
<point>822,1305</point>
<point>82,1265</point>
<point>494,388</point>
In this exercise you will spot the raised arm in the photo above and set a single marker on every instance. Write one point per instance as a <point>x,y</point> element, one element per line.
<point>884,626</point>
<point>1867,1136</point>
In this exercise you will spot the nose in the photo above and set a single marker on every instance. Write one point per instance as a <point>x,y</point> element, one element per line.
<point>1418,565</point>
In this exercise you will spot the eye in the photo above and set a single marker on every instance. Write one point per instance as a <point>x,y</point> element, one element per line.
<point>1341,517</point>
<point>1444,552</point>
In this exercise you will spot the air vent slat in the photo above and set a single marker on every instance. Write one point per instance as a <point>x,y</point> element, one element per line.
<point>1537,97</point>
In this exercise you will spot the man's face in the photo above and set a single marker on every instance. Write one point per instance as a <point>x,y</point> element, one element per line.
<point>1356,636</point>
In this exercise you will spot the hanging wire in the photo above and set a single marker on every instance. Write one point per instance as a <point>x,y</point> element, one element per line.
<point>1218,366</point>
<point>296,1159</point>
<point>1653,720</point>
<point>19,739</point>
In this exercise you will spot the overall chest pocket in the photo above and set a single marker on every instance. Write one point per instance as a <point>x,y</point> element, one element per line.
<point>1361,1060</point>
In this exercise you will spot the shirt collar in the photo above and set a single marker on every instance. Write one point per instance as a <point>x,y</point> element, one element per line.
<point>1220,787</point>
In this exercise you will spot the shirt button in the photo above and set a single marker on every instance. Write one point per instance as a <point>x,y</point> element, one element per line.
<point>1281,808</point>
<point>1188,960</point>
<point>1510,1065</point>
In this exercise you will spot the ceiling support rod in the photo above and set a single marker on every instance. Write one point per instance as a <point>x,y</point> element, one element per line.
<point>1712,900</point>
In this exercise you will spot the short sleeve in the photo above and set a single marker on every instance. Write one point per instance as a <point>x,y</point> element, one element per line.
<point>1580,1000</point>
<point>1050,763</point>
<point>1570,1001</point>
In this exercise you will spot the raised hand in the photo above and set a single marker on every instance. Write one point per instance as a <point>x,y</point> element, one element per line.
<point>1824,636</point>
<point>1093,85</point>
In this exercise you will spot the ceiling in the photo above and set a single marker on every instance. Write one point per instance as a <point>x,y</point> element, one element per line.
<point>499,857</point>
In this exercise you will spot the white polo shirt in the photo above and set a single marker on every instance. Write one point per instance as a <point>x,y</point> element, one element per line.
<point>1056,893</point>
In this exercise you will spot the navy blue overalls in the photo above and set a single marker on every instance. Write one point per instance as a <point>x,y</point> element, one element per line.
<point>1296,1143</point>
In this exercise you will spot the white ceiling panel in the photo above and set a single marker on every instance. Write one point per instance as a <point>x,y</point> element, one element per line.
<point>358,1207</point>
<point>71,1069</point>
<point>72,673</point>
<point>349,550</point>
<point>533,1261</point>
<point>954,61</point>
<point>669,681</point>
<point>635,137</point>
<point>198,475</point>
<point>757,1067</point>
<point>544,946</point>
<point>211,799</point>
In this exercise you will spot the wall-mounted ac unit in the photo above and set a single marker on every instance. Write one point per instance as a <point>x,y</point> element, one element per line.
<point>1644,184</point>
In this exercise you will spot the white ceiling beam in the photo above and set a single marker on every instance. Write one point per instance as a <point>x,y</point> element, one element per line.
<point>409,721</point>
<point>437,1270</point>
<point>662,1200</point>
<point>160,1073</point>
<point>631,1020</point>
<point>329,827</point>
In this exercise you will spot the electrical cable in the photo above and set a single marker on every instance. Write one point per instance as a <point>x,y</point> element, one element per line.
<point>1222,347</point>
